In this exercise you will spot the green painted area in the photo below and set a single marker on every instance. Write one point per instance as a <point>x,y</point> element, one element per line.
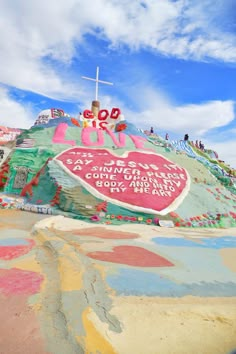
<point>32,159</point>
<point>44,192</point>
<point>210,193</point>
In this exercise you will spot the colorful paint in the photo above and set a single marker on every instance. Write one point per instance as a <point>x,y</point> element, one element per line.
<point>14,248</point>
<point>83,283</point>
<point>132,255</point>
<point>102,232</point>
<point>141,181</point>
<point>16,282</point>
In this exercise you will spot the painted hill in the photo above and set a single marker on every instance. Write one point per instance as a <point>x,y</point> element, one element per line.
<point>116,175</point>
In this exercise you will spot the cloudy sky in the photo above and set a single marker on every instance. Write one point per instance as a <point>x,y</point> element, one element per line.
<point>172,62</point>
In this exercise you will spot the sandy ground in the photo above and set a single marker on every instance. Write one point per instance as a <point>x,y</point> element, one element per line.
<point>75,310</point>
<point>19,327</point>
<point>178,326</point>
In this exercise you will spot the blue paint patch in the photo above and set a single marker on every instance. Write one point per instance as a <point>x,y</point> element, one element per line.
<point>13,242</point>
<point>195,265</point>
<point>214,242</point>
<point>138,283</point>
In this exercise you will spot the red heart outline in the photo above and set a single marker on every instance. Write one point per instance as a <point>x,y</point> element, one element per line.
<point>139,202</point>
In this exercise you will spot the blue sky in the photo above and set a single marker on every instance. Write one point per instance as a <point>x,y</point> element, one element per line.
<point>173,63</point>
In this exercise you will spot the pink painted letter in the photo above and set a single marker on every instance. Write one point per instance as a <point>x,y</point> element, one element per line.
<point>85,137</point>
<point>59,135</point>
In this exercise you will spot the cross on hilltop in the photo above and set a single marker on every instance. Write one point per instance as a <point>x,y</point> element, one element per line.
<point>97,81</point>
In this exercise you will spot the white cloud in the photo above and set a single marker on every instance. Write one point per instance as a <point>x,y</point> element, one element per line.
<point>35,33</point>
<point>13,114</point>
<point>194,119</point>
<point>226,151</point>
<point>39,40</point>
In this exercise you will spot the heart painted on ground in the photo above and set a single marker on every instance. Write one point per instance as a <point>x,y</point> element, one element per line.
<point>138,180</point>
<point>133,256</point>
<point>9,251</point>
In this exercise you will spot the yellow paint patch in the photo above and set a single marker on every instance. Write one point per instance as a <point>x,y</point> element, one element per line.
<point>94,342</point>
<point>37,307</point>
<point>70,270</point>
<point>103,274</point>
<point>71,277</point>
<point>29,263</point>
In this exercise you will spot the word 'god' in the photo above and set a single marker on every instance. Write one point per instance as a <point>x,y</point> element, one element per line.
<point>104,119</point>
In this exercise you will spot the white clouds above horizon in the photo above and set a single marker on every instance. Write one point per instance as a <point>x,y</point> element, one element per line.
<point>14,114</point>
<point>225,149</point>
<point>158,110</point>
<point>37,33</point>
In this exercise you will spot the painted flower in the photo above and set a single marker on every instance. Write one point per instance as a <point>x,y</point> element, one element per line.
<point>149,221</point>
<point>120,127</point>
<point>173,214</point>
<point>119,217</point>
<point>95,218</point>
<point>156,221</point>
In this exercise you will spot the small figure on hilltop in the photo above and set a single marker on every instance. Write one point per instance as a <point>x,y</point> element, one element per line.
<point>152,130</point>
<point>196,144</point>
<point>186,137</point>
<point>167,136</point>
<point>201,146</point>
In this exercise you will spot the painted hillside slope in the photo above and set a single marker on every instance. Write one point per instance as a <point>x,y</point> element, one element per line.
<point>112,177</point>
<point>223,172</point>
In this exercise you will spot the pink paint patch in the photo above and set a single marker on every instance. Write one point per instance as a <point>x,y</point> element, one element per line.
<point>115,177</point>
<point>132,255</point>
<point>11,252</point>
<point>102,232</point>
<point>85,137</point>
<point>59,135</point>
<point>16,281</point>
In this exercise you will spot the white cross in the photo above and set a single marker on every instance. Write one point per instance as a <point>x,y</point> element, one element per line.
<point>97,81</point>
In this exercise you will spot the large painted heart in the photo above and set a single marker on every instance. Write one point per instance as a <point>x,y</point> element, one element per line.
<point>138,180</point>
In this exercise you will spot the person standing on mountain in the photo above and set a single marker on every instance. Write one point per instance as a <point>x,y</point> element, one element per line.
<point>186,137</point>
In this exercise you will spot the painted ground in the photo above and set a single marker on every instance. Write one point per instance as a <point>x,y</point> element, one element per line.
<point>67,286</point>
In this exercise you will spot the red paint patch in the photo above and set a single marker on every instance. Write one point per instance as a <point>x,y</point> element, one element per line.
<point>102,232</point>
<point>16,281</point>
<point>11,252</point>
<point>120,186</point>
<point>132,255</point>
